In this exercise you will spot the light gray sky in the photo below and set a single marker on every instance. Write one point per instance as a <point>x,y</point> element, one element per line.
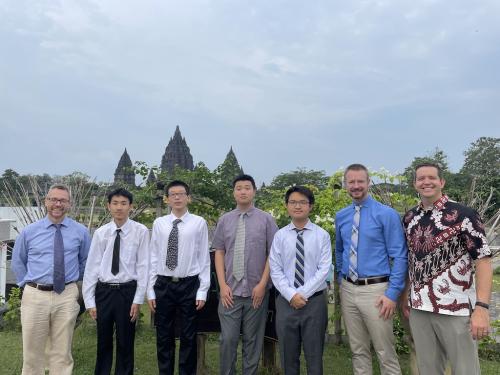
<point>315,84</point>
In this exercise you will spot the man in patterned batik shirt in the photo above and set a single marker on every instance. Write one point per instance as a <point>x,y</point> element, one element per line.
<point>448,309</point>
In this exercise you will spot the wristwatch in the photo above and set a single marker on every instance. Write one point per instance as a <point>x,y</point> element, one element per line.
<point>482,304</point>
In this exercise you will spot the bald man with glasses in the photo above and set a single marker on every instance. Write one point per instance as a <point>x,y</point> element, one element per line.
<point>49,257</point>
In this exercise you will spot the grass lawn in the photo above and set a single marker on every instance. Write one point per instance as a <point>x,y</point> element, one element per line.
<point>337,359</point>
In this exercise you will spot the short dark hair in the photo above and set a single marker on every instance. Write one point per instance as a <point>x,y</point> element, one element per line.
<point>356,167</point>
<point>244,177</point>
<point>428,164</point>
<point>177,183</point>
<point>121,192</point>
<point>301,190</point>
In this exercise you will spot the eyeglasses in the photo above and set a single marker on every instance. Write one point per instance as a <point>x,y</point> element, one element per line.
<point>56,200</point>
<point>298,203</point>
<point>176,195</point>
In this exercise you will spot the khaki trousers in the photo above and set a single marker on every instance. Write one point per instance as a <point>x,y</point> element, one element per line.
<point>441,338</point>
<point>363,324</point>
<point>48,315</point>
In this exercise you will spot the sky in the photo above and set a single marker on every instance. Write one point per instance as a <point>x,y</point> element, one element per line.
<point>287,84</point>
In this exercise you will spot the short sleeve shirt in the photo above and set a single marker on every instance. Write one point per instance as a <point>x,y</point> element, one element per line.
<point>260,228</point>
<point>443,243</point>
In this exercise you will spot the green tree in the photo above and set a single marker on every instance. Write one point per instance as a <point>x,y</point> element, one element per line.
<point>300,176</point>
<point>482,166</point>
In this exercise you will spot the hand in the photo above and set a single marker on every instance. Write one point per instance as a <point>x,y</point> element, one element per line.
<point>152,304</point>
<point>258,294</point>
<point>298,301</point>
<point>134,312</point>
<point>199,304</point>
<point>405,308</point>
<point>93,313</point>
<point>226,296</point>
<point>479,323</point>
<point>386,307</point>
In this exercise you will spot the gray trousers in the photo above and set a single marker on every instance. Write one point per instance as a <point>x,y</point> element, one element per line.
<point>306,326</point>
<point>253,322</point>
<point>439,338</point>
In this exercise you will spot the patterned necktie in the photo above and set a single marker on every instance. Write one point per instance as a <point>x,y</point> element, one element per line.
<point>353,253</point>
<point>173,245</point>
<point>299,259</point>
<point>59,272</point>
<point>115,264</point>
<point>239,249</point>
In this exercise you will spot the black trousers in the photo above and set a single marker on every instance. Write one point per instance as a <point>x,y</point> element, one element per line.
<point>113,314</point>
<point>174,298</point>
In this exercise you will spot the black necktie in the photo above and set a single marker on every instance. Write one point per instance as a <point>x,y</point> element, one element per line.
<point>115,264</point>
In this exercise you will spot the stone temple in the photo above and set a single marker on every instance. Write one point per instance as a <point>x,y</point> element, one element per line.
<point>177,153</point>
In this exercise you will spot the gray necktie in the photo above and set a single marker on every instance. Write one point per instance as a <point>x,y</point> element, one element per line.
<point>173,246</point>
<point>239,249</point>
<point>353,253</point>
<point>299,259</point>
<point>59,272</point>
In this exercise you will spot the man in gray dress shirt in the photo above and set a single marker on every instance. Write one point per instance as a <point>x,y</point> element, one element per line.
<point>242,241</point>
<point>115,283</point>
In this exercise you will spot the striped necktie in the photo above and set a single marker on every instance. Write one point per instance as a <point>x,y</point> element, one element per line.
<point>299,259</point>
<point>239,249</point>
<point>353,252</point>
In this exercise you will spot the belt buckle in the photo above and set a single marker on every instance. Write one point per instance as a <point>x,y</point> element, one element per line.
<point>175,279</point>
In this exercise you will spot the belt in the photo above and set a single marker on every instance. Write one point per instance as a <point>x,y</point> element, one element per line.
<point>317,294</point>
<point>368,280</point>
<point>176,279</point>
<point>128,284</point>
<point>44,287</point>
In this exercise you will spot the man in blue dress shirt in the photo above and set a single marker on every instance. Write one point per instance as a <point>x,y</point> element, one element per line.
<point>49,257</point>
<point>371,260</point>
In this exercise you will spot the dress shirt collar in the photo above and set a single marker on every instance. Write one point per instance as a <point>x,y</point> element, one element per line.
<point>308,226</point>
<point>248,212</point>
<point>172,217</point>
<point>438,205</point>
<point>125,228</point>
<point>47,223</point>
<point>367,202</point>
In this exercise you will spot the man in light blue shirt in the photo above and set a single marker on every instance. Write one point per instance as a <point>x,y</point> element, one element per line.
<point>49,257</point>
<point>371,262</point>
<point>300,260</point>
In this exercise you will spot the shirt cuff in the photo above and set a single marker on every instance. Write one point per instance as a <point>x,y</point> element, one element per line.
<point>89,303</point>
<point>289,293</point>
<point>151,294</point>
<point>201,296</point>
<point>392,294</point>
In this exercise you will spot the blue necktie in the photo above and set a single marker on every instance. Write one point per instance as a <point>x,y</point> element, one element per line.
<point>59,272</point>
<point>353,253</point>
<point>299,259</point>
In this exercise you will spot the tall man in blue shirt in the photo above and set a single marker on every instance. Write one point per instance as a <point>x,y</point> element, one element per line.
<point>49,257</point>
<point>371,259</point>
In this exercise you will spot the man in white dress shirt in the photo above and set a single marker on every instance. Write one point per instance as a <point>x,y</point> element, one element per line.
<point>115,283</point>
<point>300,260</point>
<point>179,279</point>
